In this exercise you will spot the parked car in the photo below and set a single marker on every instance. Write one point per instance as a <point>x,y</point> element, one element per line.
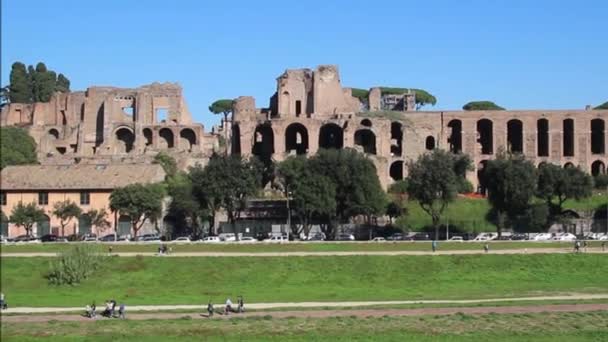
<point>419,237</point>
<point>124,238</point>
<point>247,239</point>
<point>182,239</point>
<point>396,237</point>
<point>378,239</point>
<point>543,237</point>
<point>75,237</point>
<point>456,238</point>
<point>565,237</point>
<point>23,238</point>
<point>108,238</point>
<point>345,237</point>
<point>90,238</point>
<point>519,237</point>
<point>149,238</point>
<point>317,237</point>
<point>53,238</point>
<point>277,239</point>
<point>485,237</point>
<point>211,239</point>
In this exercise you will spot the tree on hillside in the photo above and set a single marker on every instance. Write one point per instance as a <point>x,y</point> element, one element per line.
<point>602,106</point>
<point>65,211</point>
<point>26,215</point>
<point>556,185</point>
<point>511,184</point>
<point>20,90</point>
<point>140,202</point>
<point>184,210</point>
<point>43,83</point>
<point>433,182</point>
<point>226,182</point>
<point>482,105</point>
<point>423,97</point>
<point>167,162</point>
<point>63,84</point>
<point>17,147</point>
<point>222,106</point>
<point>98,219</point>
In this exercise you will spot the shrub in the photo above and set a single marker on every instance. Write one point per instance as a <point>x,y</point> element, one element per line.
<point>75,265</point>
<point>399,187</point>
<point>464,187</point>
<point>601,181</point>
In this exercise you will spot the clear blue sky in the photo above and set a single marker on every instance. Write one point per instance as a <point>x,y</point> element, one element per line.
<point>521,54</point>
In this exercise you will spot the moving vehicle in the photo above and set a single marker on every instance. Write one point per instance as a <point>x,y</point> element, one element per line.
<point>247,239</point>
<point>211,239</point>
<point>345,237</point>
<point>24,239</point>
<point>543,237</point>
<point>90,238</point>
<point>419,237</point>
<point>565,237</point>
<point>378,239</point>
<point>317,237</point>
<point>182,239</point>
<point>149,238</point>
<point>396,237</point>
<point>52,238</point>
<point>486,237</point>
<point>456,239</point>
<point>108,238</point>
<point>277,239</point>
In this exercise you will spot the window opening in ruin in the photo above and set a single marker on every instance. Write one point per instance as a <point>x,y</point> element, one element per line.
<point>366,123</point>
<point>515,136</point>
<point>263,145</point>
<point>366,139</point>
<point>568,165</point>
<point>396,170</point>
<point>568,138</point>
<point>61,150</point>
<point>542,138</point>
<point>296,139</point>
<point>125,139</point>
<point>284,110</point>
<point>331,136</point>
<point>396,139</point>
<point>148,136</point>
<point>430,143</point>
<point>64,120</point>
<point>298,107</point>
<point>166,140</point>
<point>481,180</point>
<point>99,125</point>
<point>188,138</point>
<point>598,141</point>
<point>455,139</point>
<point>598,168</point>
<point>161,115</point>
<point>128,110</point>
<point>236,140</point>
<point>485,136</point>
<point>53,133</point>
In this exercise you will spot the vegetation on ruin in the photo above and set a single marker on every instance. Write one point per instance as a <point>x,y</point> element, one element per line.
<point>575,327</point>
<point>156,280</point>
<point>384,114</point>
<point>26,215</point>
<point>602,106</point>
<point>423,97</point>
<point>222,106</point>
<point>17,147</point>
<point>34,84</point>
<point>361,94</point>
<point>167,162</point>
<point>482,105</point>
<point>140,202</point>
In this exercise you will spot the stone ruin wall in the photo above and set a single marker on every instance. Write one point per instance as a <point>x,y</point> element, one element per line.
<point>108,124</point>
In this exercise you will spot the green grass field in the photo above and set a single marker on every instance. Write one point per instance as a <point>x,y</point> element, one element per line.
<point>195,280</point>
<point>549,327</point>
<point>298,247</point>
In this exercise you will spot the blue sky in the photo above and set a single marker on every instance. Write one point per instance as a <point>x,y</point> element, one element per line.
<point>521,54</point>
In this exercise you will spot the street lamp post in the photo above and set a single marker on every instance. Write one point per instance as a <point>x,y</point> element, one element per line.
<point>288,215</point>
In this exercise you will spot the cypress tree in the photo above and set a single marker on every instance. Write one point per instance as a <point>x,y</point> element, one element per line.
<point>63,84</point>
<point>19,88</point>
<point>43,81</point>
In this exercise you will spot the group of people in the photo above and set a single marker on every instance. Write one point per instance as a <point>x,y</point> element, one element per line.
<point>109,311</point>
<point>229,307</point>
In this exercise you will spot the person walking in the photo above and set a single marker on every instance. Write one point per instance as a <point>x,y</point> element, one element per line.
<point>577,246</point>
<point>228,308</point>
<point>434,246</point>
<point>121,311</point>
<point>603,246</point>
<point>486,247</point>
<point>241,305</point>
<point>585,246</point>
<point>210,310</point>
<point>3,305</point>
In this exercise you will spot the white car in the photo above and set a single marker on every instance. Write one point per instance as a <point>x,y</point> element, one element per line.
<point>456,238</point>
<point>565,237</point>
<point>543,237</point>
<point>485,237</point>
<point>90,239</point>
<point>247,239</point>
<point>182,239</point>
<point>603,237</point>
<point>378,239</point>
<point>277,239</point>
<point>211,239</point>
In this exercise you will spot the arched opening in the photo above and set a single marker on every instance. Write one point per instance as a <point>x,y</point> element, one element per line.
<point>515,136</point>
<point>568,165</point>
<point>429,143</point>
<point>187,138</point>
<point>53,134</point>
<point>43,227</point>
<point>61,150</point>
<point>568,138</point>
<point>455,139</point>
<point>598,168</point>
<point>366,139</point>
<point>166,138</point>
<point>481,180</point>
<point>148,136</point>
<point>396,139</point>
<point>485,136</point>
<point>284,103</point>
<point>396,170</point>
<point>124,140</point>
<point>296,139</point>
<point>84,224</point>
<point>99,126</point>
<point>263,145</point>
<point>331,136</point>
<point>542,138</point>
<point>236,140</point>
<point>366,123</point>
<point>598,141</point>
<point>124,226</point>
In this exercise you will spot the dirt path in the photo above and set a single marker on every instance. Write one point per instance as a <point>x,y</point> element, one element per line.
<point>362,313</point>
<point>296,305</point>
<point>334,253</point>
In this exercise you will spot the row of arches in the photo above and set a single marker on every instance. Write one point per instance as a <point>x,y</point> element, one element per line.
<point>125,139</point>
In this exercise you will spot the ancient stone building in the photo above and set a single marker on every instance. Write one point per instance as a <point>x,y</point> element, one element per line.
<point>112,123</point>
<point>311,110</point>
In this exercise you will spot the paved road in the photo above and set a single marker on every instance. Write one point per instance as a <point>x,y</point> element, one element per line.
<point>331,253</point>
<point>263,306</point>
<point>367,313</point>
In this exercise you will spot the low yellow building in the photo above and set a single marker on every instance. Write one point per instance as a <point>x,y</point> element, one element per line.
<point>87,185</point>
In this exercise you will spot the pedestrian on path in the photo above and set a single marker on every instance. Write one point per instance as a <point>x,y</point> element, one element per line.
<point>585,246</point>
<point>121,311</point>
<point>434,245</point>
<point>486,247</point>
<point>577,246</point>
<point>3,305</point>
<point>603,246</point>
<point>210,309</point>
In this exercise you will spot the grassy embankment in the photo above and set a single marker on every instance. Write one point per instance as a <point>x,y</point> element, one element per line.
<point>546,327</point>
<point>153,280</point>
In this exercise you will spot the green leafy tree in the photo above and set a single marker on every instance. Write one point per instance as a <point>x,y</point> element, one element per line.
<point>65,211</point>
<point>511,186</point>
<point>222,106</point>
<point>184,210</point>
<point>98,219</point>
<point>26,215</point>
<point>20,90</point>
<point>17,147</point>
<point>394,210</point>
<point>167,162</point>
<point>140,202</point>
<point>556,185</point>
<point>433,182</point>
<point>399,187</point>
<point>602,106</point>
<point>423,97</point>
<point>482,105</point>
<point>63,84</point>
